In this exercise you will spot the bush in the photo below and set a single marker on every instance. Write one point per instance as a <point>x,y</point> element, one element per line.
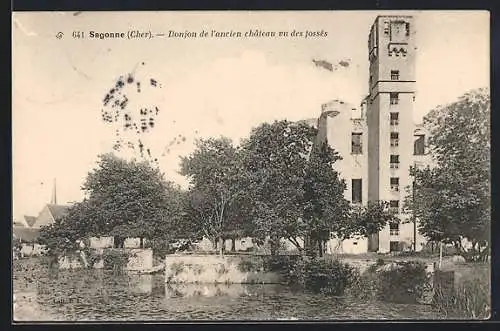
<point>267,263</point>
<point>115,259</point>
<point>365,286</point>
<point>279,263</point>
<point>160,247</point>
<point>403,282</point>
<point>329,276</point>
<point>322,275</point>
<point>92,257</point>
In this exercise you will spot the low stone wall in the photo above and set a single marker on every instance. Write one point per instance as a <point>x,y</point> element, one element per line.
<point>214,269</point>
<point>32,250</point>
<point>139,260</point>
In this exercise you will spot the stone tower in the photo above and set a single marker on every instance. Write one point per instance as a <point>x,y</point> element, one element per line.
<point>389,115</point>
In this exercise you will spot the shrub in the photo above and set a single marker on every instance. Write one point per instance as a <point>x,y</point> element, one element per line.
<point>403,282</point>
<point>115,259</point>
<point>279,263</point>
<point>365,286</point>
<point>160,247</point>
<point>16,244</point>
<point>329,276</point>
<point>321,275</point>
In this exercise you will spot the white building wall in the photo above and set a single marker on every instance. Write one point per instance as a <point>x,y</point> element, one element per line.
<point>101,242</point>
<point>357,245</point>
<point>132,243</point>
<point>340,125</point>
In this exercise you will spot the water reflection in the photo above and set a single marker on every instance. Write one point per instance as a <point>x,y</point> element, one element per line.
<point>96,295</point>
<point>205,290</point>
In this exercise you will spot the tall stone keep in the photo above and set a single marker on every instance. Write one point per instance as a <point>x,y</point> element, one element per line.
<point>389,115</point>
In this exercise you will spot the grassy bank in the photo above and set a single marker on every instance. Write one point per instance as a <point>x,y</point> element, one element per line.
<point>389,281</point>
<point>471,296</point>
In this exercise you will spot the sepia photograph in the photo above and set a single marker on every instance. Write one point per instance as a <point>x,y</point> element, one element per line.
<point>251,166</point>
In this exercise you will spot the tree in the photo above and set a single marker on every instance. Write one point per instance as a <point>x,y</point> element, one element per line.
<point>131,199</point>
<point>123,199</point>
<point>214,170</point>
<point>452,198</point>
<point>61,236</point>
<point>326,210</point>
<point>275,158</point>
<point>369,219</point>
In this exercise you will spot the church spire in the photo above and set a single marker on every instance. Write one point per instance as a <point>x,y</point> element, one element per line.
<point>54,194</point>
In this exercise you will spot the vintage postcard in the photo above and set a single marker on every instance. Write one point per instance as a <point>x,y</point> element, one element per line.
<point>251,165</point>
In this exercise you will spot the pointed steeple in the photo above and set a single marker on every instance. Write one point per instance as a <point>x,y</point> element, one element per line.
<point>54,194</point>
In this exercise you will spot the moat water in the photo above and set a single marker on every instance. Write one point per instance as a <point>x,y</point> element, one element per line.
<point>44,294</point>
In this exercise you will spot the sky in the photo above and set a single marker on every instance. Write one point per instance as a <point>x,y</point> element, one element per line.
<point>207,87</point>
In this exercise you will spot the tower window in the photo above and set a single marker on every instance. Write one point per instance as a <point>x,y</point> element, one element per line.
<point>395,184</point>
<point>394,98</point>
<point>356,191</point>
<point>394,161</point>
<point>394,139</point>
<point>394,206</point>
<point>356,143</point>
<point>394,74</point>
<point>386,28</point>
<point>394,229</point>
<point>394,118</point>
<point>419,145</point>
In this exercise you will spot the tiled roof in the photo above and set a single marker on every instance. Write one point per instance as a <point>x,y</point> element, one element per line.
<point>58,211</point>
<point>30,220</point>
<point>25,234</point>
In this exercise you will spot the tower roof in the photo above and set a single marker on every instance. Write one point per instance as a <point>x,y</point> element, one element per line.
<point>24,234</point>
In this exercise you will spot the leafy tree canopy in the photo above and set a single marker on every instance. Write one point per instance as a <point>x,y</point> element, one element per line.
<point>217,189</point>
<point>124,199</point>
<point>452,199</point>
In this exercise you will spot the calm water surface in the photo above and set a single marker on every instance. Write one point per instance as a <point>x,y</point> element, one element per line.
<point>90,295</point>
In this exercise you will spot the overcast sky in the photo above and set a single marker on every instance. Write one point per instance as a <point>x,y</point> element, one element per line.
<point>209,87</point>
